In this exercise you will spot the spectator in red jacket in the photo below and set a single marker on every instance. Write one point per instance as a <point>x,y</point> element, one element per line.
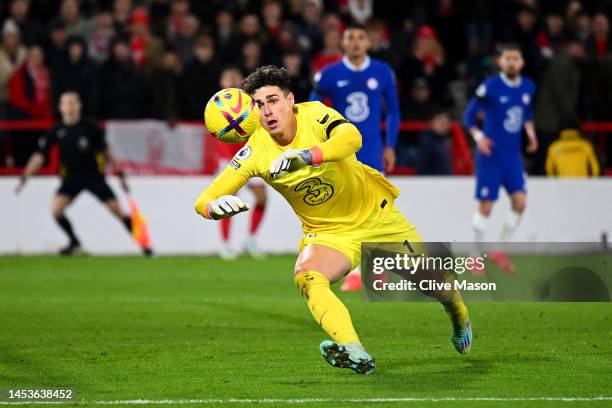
<point>30,87</point>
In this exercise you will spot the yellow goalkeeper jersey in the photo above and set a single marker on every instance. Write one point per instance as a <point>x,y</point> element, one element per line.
<point>329,197</point>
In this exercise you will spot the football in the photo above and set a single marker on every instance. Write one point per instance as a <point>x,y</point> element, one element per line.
<point>231,115</point>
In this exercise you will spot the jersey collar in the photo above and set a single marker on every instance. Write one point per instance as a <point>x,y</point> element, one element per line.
<point>363,67</point>
<point>512,84</point>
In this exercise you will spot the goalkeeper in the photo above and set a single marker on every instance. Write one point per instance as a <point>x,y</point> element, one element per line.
<point>306,152</point>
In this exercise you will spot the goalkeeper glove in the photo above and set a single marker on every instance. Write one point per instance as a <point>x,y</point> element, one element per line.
<point>290,161</point>
<point>226,206</point>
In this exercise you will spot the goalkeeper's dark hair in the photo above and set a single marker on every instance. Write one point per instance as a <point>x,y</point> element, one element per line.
<point>268,75</point>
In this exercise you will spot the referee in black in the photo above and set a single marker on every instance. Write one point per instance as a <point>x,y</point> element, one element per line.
<point>83,156</point>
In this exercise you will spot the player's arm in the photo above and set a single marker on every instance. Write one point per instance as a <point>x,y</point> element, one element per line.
<point>218,201</point>
<point>392,122</point>
<point>34,164</point>
<point>319,90</point>
<point>532,138</point>
<point>475,106</point>
<point>37,159</point>
<point>343,139</point>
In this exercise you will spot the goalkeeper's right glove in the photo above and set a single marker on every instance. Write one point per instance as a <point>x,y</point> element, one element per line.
<point>226,206</point>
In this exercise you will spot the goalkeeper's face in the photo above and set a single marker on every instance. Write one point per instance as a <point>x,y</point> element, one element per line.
<point>275,109</point>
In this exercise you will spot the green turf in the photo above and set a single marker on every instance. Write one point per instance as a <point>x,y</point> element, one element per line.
<point>201,328</point>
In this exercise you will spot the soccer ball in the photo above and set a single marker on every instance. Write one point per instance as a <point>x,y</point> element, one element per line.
<point>231,115</point>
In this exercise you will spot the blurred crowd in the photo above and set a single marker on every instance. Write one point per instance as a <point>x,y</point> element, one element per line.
<point>163,58</point>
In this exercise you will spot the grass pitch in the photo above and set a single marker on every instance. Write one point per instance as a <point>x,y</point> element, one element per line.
<point>128,328</point>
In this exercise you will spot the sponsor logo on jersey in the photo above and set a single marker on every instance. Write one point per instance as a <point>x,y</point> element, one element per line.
<point>234,164</point>
<point>324,119</point>
<point>316,191</point>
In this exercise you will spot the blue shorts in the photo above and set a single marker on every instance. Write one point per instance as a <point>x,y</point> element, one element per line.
<point>492,173</point>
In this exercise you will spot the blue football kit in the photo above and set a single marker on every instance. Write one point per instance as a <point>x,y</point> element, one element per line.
<point>362,95</point>
<point>507,106</point>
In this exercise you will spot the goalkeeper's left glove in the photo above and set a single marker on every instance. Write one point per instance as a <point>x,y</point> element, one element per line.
<point>226,206</point>
<point>290,161</point>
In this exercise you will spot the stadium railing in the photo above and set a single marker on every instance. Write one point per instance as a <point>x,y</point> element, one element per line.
<point>461,148</point>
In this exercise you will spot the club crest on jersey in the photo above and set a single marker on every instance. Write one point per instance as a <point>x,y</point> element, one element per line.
<point>526,98</point>
<point>372,83</point>
<point>243,153</point>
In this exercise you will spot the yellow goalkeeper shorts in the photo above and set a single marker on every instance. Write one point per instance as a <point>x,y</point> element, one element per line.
<point>384,225</point>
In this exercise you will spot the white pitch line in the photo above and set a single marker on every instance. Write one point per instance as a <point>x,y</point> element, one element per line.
<point>314,400</point>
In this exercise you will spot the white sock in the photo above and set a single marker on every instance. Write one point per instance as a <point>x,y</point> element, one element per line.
<point>479,225</point>
<point>511,221</point>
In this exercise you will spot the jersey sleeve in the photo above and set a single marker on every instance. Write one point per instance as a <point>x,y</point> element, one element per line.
<point>529,108</point>
<point>340,137</point>
<point>239,170</point>
<point>482,96</point>
<point>47,140</point>
<point>392,108</point>
<point>321,86</point>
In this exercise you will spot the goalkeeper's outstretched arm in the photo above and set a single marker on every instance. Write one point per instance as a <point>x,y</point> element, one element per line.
<point>218,201</point>
<point>343,140</point>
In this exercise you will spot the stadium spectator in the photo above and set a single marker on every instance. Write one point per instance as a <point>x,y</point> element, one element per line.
<point>298,74</point>
<point>581,27</point>
<point>571,156</point>
<point>185,37</point>
<point>179,10</point>
<point>55,46</point>
<point>428,60</point>
<point>146,48</point>
<point>599,45</point>
<point>250,29</point>
<point>122,87</point>
<point>122,10</point>
<point>526,37</point>
<point>71,14</point>
<point>330,53</point>
<point>360,10</point>
<point>559,94</point>
<point>200,78</point>
<point>164,84</point>
<point>379,43</point>
<point>30,87</point>
<point>251,56</point>
<point>100,35</point>
<point>551,39</point>
<point>75,72</point>
<point>227,37</point>
<point>435,147</point>
<point>12,55</point>
<point>272,12</point>
<point>32,31</point>
<point>419,104</point>
<point>309,36</point>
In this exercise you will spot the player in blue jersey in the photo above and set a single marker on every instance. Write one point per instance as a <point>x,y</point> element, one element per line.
<point>506,100</point>
<point>362,88</point>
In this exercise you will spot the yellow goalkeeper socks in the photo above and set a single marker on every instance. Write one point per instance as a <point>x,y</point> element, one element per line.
<point>457,311</point>
<point>325,306</point>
